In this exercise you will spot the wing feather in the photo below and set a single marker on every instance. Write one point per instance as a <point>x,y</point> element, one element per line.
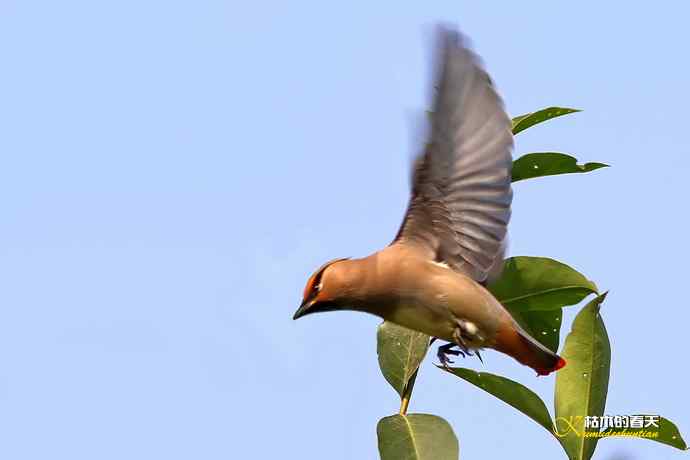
<point>461,195</point>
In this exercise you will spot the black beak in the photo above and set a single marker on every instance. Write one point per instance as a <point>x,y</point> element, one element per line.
<point>303,309</point>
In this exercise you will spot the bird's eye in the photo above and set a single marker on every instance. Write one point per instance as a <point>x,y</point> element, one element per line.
<point>314,284</point>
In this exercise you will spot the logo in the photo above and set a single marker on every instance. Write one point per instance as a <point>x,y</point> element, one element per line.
<point>602,426</point>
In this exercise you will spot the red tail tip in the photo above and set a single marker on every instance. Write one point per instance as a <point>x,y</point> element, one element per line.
<point>559,364</point>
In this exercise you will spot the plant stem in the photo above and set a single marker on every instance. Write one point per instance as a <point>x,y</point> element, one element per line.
<point>407,394</point>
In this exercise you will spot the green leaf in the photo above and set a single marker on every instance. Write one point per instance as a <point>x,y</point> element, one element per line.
<point>400,351</point>
<point>549,164</point>
<point>416,437</point>
<point>508,391</point>
<point>539,283</point>
<point>667,433</point>
<point>543,325</point>
<point>527,120</point>
<point>582,385</point>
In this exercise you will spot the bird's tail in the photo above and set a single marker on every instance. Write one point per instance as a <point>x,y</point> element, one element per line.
<point>515,342</point>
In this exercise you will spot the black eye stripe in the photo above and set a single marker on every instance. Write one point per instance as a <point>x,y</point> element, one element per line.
<point>317,278</point>
<point>317,283</point>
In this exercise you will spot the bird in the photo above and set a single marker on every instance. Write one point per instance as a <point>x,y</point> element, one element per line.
<point>432,277</point>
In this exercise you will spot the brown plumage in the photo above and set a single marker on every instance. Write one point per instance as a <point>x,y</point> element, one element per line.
<point>453,237</point>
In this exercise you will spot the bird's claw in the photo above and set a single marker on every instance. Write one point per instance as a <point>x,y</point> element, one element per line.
<point>479,356</point>
<point>447,349</point>
<point>444,351</point>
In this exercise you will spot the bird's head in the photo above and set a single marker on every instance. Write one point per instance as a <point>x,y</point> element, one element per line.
<point>322,290</point>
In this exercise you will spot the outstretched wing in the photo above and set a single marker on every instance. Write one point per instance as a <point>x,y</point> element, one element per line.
<point>461,195</point>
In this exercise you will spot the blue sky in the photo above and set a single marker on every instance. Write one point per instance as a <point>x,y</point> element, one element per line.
<point>173,171</point>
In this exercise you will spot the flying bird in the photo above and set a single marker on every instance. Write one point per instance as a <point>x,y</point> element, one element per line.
<point>453,237</point>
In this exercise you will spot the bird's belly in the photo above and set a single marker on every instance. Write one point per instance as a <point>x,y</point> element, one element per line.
<point>423,318</point>
<point>448,310</point>
<point>433,299</point>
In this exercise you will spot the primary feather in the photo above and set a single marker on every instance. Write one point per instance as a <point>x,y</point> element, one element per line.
<point>461,196</point>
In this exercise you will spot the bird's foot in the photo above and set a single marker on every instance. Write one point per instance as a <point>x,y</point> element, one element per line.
<point>444,351</point>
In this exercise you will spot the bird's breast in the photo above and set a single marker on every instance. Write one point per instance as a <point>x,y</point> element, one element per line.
<point>432,298</point>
